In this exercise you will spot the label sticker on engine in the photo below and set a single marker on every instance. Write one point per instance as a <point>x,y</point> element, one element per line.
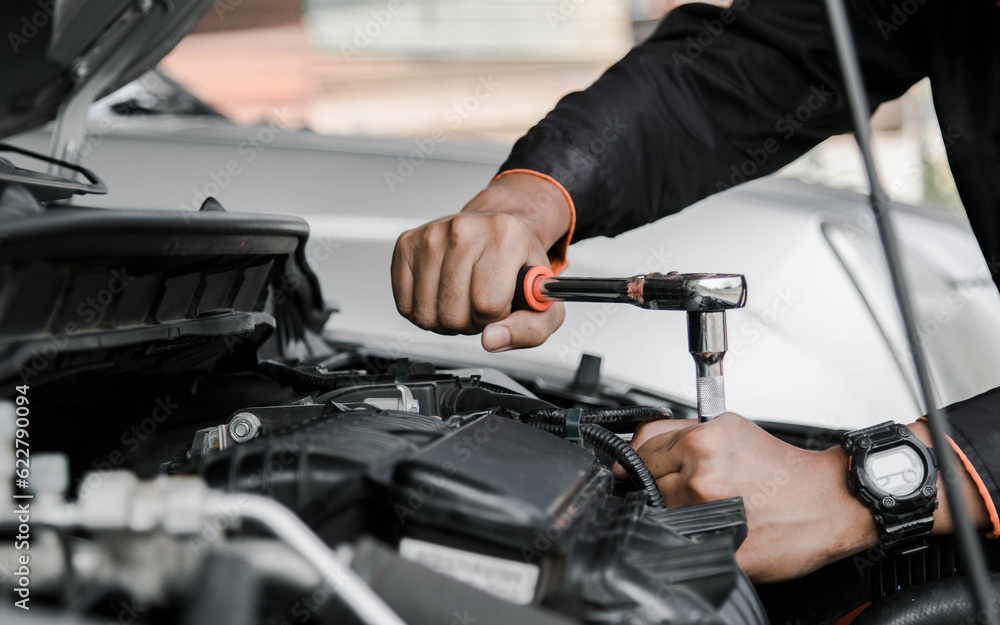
<point>510,580</point>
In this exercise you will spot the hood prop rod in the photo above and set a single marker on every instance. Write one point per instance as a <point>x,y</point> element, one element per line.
<point>94,72</point>
<point>860,111</point>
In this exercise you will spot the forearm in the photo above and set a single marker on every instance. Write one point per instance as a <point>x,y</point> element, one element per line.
<point>674,122</point>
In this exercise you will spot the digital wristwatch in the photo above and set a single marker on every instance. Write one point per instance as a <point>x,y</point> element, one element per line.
<point>895,476</point>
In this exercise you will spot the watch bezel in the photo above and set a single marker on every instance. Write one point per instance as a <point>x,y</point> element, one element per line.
<point>884,504</point>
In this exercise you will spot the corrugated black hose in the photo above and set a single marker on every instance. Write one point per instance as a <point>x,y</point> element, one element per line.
<point>611,444</point>
<point>618,419</point>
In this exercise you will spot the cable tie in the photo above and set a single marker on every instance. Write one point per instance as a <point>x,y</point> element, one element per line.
<point>573,426</point>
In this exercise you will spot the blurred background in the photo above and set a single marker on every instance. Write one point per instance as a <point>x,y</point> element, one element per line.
<point>402,68</point>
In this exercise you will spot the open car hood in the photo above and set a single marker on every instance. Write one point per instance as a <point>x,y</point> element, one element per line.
<point>56,48</point>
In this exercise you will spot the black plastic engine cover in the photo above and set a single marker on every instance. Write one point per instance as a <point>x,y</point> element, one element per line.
<point>499,480</point>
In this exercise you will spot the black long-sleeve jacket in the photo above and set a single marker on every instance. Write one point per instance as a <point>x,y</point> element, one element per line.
<point>719,96</point>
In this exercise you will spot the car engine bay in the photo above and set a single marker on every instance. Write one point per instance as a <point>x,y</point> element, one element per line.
<point>171,379</point>
<point>479,495</point>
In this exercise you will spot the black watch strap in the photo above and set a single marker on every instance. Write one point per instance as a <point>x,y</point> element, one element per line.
<point>906,536</point>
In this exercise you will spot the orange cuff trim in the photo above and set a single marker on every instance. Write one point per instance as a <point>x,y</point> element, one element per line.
<point>991,509</point>
<point>558,253</point>
<point>983,492</point>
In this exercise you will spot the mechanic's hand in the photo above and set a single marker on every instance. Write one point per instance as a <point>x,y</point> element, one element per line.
<point>457,274</point>
<point>800,512</point>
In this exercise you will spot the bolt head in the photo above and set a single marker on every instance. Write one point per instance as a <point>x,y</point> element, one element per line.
<point>243,427</point>
<point>888,502</point>
<point>865,442</point>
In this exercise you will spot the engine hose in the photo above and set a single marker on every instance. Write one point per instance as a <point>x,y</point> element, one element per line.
<point>609,443</point>
<point>618,449</point>
<point>619,419</point>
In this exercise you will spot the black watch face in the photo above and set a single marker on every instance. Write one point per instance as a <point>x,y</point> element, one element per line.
<point>896,471</point>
